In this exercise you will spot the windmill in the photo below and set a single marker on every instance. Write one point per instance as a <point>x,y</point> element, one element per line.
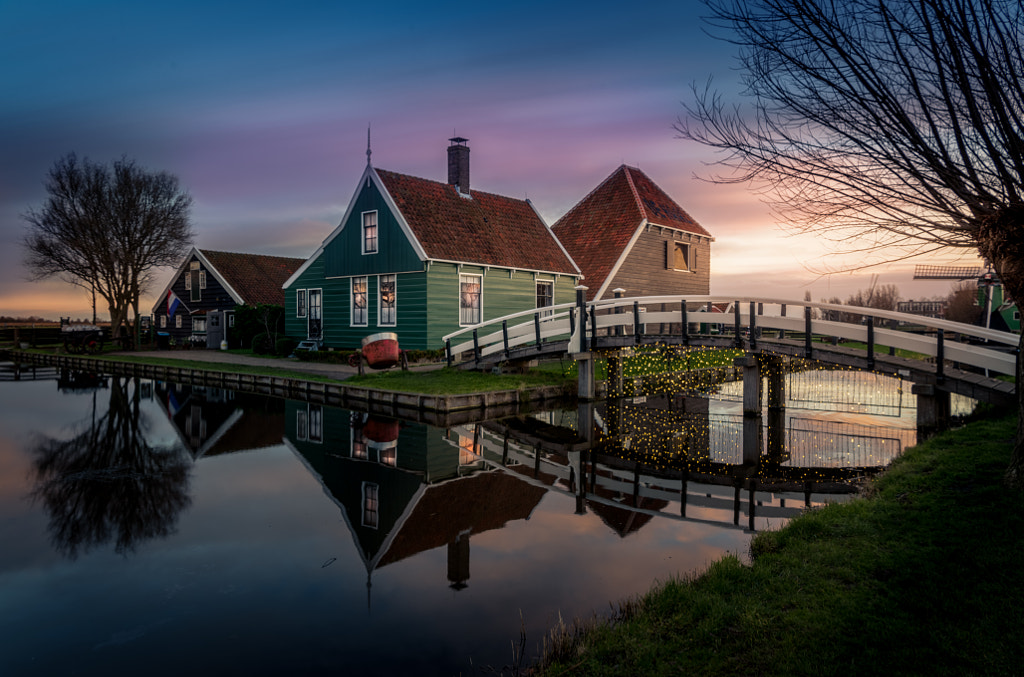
<point>984,275</point>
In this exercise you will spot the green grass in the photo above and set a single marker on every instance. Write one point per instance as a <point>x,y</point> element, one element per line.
<point>923,576</point>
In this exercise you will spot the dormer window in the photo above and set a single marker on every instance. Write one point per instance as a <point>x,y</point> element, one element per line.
<point>369,232</point>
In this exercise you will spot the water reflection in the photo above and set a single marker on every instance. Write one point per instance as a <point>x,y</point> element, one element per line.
<point>107,483</point>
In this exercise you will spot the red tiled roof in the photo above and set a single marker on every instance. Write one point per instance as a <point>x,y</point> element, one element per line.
<point>469,505</point>
<point>600,226</point>
<point>486,229</point>
<point>257,278</point>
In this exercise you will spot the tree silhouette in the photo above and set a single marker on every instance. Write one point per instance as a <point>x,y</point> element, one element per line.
<point>107,483</point>
<point>894,126</point>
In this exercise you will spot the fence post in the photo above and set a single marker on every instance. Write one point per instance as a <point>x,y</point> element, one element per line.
<point>753,328</point>
<point>736,324</point>
<point>871,342</point>
<point>504,334</point>
<point>593,327</point>
<point>782,332</point>
<point>686,325</point>
<point>476,346</point>
<point>618,309</point>
<point>536,329</point>
<point>940,356</point>
<point>448,350</point>
<point>581,316</point>
<point>807,332</point>
<point>637,329</point>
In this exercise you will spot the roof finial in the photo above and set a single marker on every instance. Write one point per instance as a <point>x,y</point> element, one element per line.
<point>368,151</point>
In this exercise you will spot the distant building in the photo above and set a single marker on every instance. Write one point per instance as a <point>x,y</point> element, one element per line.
<point>1002,313</point>
<point>198,304</point>
<point>936,309</point>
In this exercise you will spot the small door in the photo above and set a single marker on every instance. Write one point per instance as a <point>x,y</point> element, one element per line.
<point>315,317</point>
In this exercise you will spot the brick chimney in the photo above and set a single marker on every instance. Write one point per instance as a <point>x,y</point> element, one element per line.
<point>458,164</point>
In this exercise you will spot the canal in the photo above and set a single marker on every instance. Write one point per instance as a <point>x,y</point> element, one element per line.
<point>168,529</point>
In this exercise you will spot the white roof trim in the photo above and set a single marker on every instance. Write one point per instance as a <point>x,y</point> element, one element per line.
<point>368,173</point>
<point>551,233</point>
<point>622,259</point>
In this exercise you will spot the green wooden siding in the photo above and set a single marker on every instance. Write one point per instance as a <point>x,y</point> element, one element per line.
<point>344,254</point>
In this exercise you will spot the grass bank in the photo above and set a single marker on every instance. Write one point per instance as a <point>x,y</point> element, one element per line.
<point>922,575</point>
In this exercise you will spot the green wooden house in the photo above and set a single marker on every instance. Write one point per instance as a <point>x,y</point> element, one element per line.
<point>422,258</point>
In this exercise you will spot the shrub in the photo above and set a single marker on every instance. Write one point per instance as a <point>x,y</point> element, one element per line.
<point>261,344</point>
<point>285,346</point>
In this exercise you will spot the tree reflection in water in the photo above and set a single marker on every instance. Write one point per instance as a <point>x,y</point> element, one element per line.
<point>107,483</point>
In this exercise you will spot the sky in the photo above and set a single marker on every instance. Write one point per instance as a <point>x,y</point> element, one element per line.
<point>261,109</point>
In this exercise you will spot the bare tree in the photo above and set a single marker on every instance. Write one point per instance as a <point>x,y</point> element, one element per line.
<point>962,303</point>
<point>107,229</point>
<point>899,123</point>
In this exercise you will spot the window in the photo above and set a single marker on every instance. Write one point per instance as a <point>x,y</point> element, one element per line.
<point>215,320</point>
<point>469,299</point>
<point>545,295</point>
<point>301,425</point>
<point>369,232</point>
<point>359,314</point>
<point>386,308</point>
<point>198,325</point>
<point>316,423</point>
<point>371,504</point>
<point>389,456</point>
<point>177,321</point>
<point>163,321</point>
<point>188,281</point>
<point>681,256</point>
<point>231,320</point>
<point>300,303</point>
<point>202,279</point>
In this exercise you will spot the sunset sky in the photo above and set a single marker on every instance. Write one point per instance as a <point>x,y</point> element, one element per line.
<point>261,109</point>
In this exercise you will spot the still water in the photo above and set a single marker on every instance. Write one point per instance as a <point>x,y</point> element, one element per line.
<point>164,529</point>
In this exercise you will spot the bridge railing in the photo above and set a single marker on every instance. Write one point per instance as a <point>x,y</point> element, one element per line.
<point>611,322</point>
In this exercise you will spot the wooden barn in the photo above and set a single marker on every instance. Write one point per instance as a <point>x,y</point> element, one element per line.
<point>423,258</point>
<point>629,234</point>
<point>198,304</point>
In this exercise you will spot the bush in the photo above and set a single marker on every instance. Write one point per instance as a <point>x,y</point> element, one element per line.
<point>261,344</point>
<point>285,346</point>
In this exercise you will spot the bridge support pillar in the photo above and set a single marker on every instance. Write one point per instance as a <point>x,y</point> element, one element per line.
<point>751,384</point>
<point>587,386</point>
<point>932,408</point>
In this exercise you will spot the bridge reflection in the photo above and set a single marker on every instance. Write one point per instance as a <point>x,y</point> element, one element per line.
<point>404,488</point>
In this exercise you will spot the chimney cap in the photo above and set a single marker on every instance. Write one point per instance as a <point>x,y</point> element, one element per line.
<point>458,140</point>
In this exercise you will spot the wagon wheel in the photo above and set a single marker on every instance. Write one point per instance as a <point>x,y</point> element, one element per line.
<point>354,359</point>
<point>94,346</point>
<point>70,346</point>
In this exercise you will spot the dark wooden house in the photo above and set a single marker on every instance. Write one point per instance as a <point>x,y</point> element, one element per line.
<point>629,234</point>
<point>198,304</point>
<point>423,258</point>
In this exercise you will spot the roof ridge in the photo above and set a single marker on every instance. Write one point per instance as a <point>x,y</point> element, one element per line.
<point>632,186</point>
<point>445,183</point>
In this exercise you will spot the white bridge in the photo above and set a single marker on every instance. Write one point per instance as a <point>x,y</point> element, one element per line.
<point>939,356</point>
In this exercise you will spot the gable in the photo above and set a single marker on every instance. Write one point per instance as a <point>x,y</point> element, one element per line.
<point>343,254</point>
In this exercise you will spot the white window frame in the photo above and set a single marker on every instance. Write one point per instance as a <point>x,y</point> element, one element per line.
<point>381,320</point>
<point>315,422</point>
<point>352,301</point>
<point>163,322</point>
<point>463,278</point>
<point>376,232</point>
<point>370,504</point>
<point>301,305</point>
<point>302,425</point>
<point>202,279</point>
<point>551,285</point>
<point>177,321</point>
<point>188,281</point>
<point>198,325</point>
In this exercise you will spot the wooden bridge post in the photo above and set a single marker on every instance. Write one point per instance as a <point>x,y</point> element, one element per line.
<point>586,380</point>
<point>932,408</point>
<point>751,384</point>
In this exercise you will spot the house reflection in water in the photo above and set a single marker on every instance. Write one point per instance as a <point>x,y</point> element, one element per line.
<point>405,488</point>
<point>212,421</point>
